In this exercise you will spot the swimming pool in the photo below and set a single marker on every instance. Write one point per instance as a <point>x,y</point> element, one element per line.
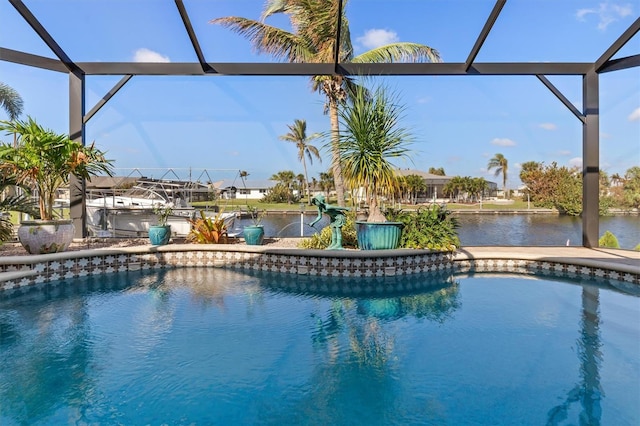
<point>208,345</point>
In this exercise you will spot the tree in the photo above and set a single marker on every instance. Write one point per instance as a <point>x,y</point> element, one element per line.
<point>285,179</point>
<point>298,135</point>
<point>500,163</point>
<point>315,23</point>
<point>631,188</point>
<point>326,182</point>
<point>44,161</point>
<point>10,101</point>
<point>558,187</point>
<point>370,139</point>
<point>439,171</point>
<point>477,187</point>
<point>414,184</point>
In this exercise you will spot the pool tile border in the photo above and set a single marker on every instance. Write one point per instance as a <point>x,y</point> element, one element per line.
<point>25,271</point>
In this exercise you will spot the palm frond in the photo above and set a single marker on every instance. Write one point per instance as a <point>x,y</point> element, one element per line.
<point>399,52</point>
<point>265,38</point>
<point>11,101</point>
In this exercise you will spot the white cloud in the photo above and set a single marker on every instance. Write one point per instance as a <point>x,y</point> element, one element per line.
<point>606,13</point>
<point>146,55</point>
<point>376,38</point>
<point>423,100</point>
<point>635,115</point>
<point>576,162</point>
<point>547,126</point>
<point>503,142</point>
<point>564,153</point>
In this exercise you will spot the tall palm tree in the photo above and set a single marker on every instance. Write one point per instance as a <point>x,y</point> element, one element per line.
<point>298,135</point>
<point>501,164</point>
<point>10,101</point>
<point>315,24</point>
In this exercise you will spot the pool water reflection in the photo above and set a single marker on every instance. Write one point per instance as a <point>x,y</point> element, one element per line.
<point>203,346</point>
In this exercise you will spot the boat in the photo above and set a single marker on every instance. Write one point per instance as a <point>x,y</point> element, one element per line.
<point>130,213</point>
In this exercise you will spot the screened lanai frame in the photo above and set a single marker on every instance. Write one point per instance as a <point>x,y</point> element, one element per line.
<point>589,71</point>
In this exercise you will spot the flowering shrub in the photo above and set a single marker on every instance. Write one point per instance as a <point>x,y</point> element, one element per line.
<point>163,211</point>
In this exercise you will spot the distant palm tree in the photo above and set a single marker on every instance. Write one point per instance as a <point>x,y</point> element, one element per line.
<point>437,171</point>
<point>315,24</point>
<point>501,164</point>
<point>10,101</point>
<point>326,182</point>
<point>414,184</point>
<point>298,135</point>
<point>286,179</point>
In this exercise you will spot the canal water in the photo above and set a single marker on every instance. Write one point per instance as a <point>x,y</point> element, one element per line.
<point>486,229</point>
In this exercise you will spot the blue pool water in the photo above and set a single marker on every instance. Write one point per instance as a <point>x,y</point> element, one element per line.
<point>212,346</point>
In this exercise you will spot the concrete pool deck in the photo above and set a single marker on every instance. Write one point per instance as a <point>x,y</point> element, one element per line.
<point>21,272</point>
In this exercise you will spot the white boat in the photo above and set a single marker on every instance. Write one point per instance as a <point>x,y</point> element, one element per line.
<point>131,213</point>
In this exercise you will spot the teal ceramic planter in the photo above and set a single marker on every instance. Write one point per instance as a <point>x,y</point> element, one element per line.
<point>159,235</point>
<point>253,235</point>
<point>378,235</point>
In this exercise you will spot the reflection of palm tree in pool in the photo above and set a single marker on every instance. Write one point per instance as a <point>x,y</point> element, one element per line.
<point>363,321</point>
<point>588,392</point>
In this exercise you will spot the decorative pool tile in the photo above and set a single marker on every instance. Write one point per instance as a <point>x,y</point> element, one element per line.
<point>302,264</point>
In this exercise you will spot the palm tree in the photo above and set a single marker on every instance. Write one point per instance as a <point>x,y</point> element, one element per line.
<point>285,178</point>
<point>370,138</point>
<point>326,182</point>
<point>415,184</point>
<point>500,163</point>
<point>315,23</point>
<point>10,101</point>
<point>298,135</point>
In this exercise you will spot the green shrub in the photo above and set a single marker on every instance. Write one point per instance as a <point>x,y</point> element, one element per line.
<point>322,240</point>
<point>431,228</point>
<point>608,240</point>
<point>637,248</point>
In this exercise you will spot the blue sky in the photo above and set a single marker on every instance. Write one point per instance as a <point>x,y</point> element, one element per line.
<point>224,124</point>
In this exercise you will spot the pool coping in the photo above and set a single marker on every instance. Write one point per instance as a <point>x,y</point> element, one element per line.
<point>25,271</point>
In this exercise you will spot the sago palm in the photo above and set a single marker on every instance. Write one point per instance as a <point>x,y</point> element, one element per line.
<point>315,25</point>
<point>298,135</point>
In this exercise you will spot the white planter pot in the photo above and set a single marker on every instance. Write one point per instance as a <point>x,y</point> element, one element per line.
<point>46,236</point>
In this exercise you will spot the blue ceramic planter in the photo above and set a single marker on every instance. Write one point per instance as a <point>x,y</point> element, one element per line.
<point>159,235</point>
<point>378,235</point>
<point>254,235</point>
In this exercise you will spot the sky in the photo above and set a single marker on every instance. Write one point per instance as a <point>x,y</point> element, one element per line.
<point>215,126</point>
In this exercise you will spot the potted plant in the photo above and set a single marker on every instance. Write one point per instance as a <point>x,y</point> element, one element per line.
<point>369,139</point>
<point>254,234</point>
<point>208,230</point>
<point>160,233</point>
<point>43,161</point>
